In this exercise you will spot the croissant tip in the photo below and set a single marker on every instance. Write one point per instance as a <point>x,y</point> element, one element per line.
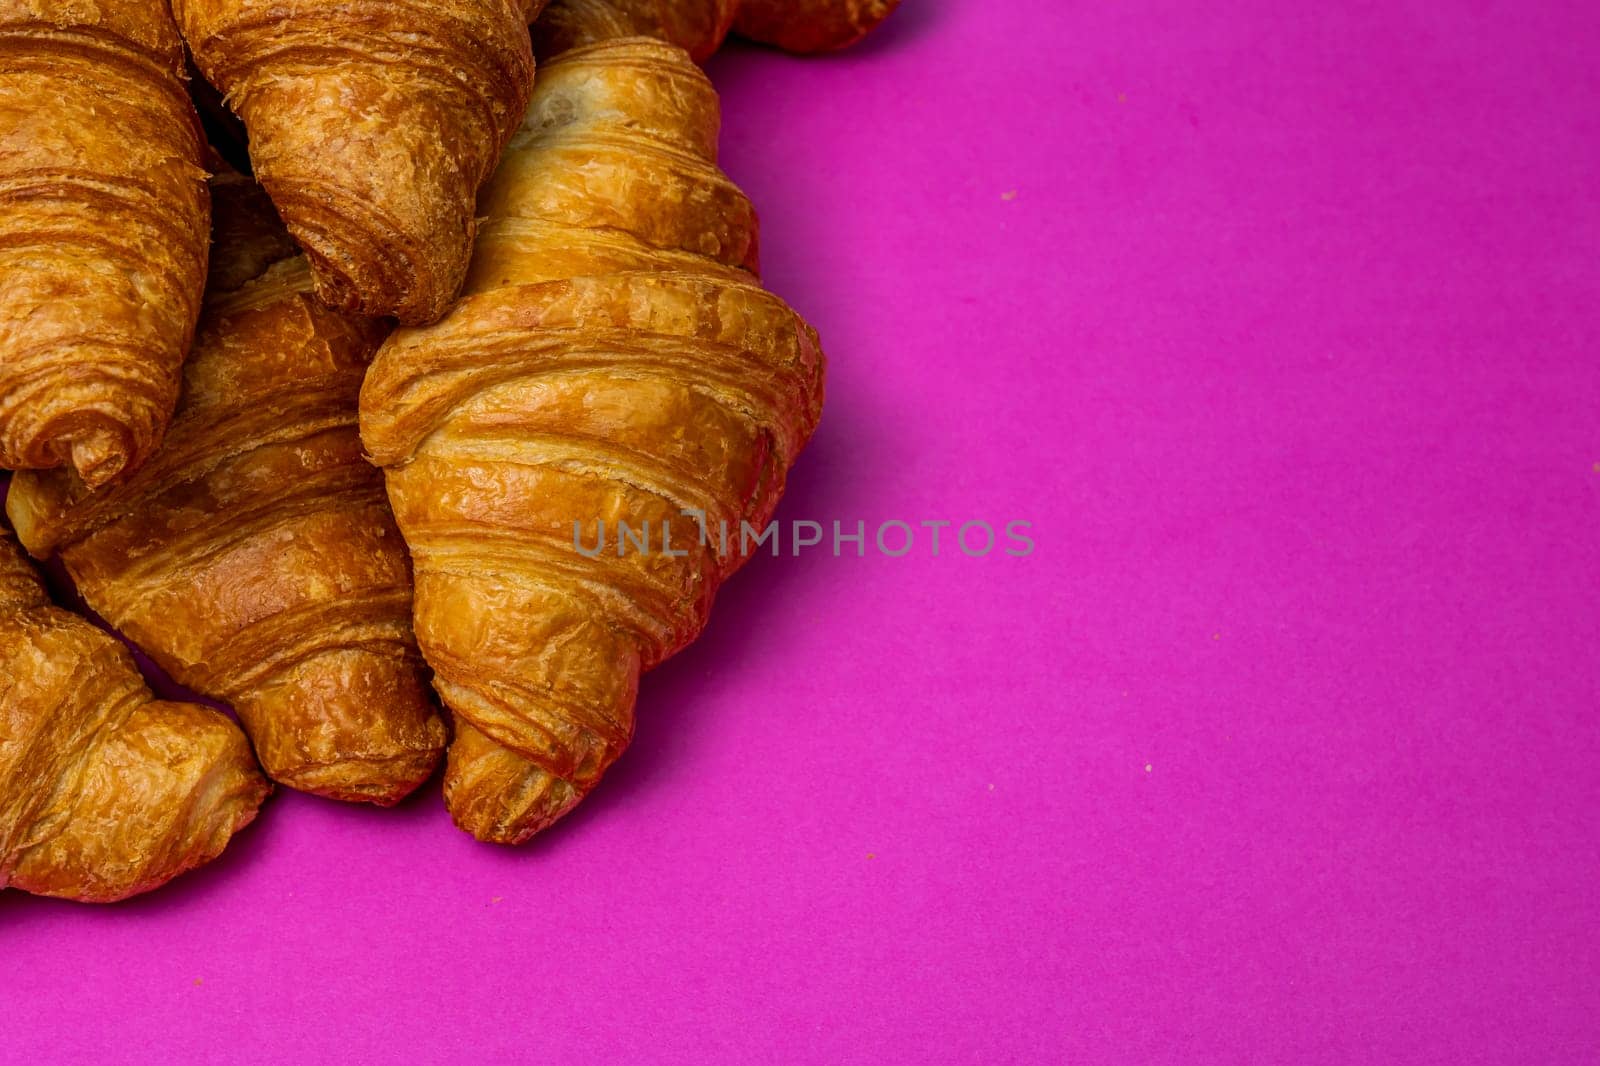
<point>382,782</point>
<point>498,796</point>
<point>505,828</point>
<point>99,455</point>
<point>488,832</point>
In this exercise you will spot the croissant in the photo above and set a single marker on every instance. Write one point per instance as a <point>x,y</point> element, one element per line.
<point>105,792</point>
<point>104,224</point>
<point>372,123</point>
<point>699,26</point>
<point>615,359</point>
<point>254,557</point>
<point>807,26</point>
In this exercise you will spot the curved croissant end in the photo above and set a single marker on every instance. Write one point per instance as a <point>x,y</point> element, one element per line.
<point>808,26</point>
<point>104,792</point>
<point>372,124</point>
<point>700,26</point>
<point>255,557</point>
<point>613,361</point>
<point>104,227</point>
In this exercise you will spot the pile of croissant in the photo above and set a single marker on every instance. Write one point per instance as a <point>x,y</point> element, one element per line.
<point>316,440</point>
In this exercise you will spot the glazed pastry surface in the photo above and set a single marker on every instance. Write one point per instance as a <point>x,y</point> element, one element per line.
<point>104,224</point>
<point>615,359</point>
<point>105,792</point>
<point>372,124</point>
<point>255,557</point>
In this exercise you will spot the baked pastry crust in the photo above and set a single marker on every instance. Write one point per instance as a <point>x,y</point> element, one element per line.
<point>697,26</point>
<point>105,792</point>
<point>809,26</point>
<point>104,229</point>
<point>700,26</point>
<point>255,557</point>
<point>616,359</point>
<point>372,124</point>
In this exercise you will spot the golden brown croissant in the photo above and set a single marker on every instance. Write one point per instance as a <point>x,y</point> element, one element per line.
<point>103,232</point>
<point>105,792</point>
<point>699,26</point>
<point>615,359</point>
<point>254,557</point>
<point>372,123</point>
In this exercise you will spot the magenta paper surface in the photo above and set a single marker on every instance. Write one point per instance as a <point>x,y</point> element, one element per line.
<point>1279,323</point>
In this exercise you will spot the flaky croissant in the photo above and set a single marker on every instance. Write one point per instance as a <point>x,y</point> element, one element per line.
<point>699,26</point>
<point>372,124</point>
<point>614,359</point>
<point>105,792</point>
<point>254,557</point>
<point>104,223</point>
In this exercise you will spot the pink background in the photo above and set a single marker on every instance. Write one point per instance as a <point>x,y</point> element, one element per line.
<point>1281,747</point>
